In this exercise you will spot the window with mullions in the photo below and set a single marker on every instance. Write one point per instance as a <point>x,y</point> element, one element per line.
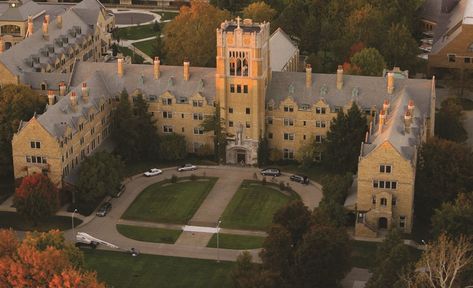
<point>238,63</point>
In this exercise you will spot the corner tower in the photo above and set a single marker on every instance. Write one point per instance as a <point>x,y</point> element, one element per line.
<point>242,76</point>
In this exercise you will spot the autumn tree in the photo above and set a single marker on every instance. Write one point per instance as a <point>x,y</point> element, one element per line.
<point>449,121</point>
<point>36,198</point>
<point>347,130</point>
<point>17,103</point>
<point>185,32</point>
<point>368,62</point>
<point>400,48</point>
<point>444,170</point>
<point>259,12</point>
<point>454,218</point>
<point>99,175</point>
<point>42,260</point>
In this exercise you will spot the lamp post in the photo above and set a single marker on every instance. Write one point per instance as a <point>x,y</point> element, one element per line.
<point>72,219</point>
<point>218,244</point>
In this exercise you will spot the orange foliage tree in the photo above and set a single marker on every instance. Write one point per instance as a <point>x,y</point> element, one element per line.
<point>36,197</point>
<point>42,260</point>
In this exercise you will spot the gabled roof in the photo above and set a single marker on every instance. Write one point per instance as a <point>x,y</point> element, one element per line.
<point>22,11</point>
<point>282,49</point>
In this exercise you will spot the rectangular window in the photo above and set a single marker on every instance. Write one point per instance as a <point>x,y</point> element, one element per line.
<point>35,144</point>
<point>393,202</point>
<point>230,123</point>
<point>451,57</point>
<point>81,140</point>
<point>167,114</point>
<point>245,89</point>
<point>197,103</point>
<point>385,184</point>
<point>28,159</point>
<point>288,108</point>
<point>230,110</point>
<point>270,135</point>
<point>320,124</point>
<point>373,200</point>
<point>167,129</point>
<point>383,202</point>
<point>232,88</point>
<point>270,120</point>
<point>92,131</point>
<point>375,183</point>
<point>467,60</point>
<point>198,131</point>
<point>248,111</point>
<point>288,154</point>
<point>304,137</point>
<point>288,122</point>
<point>318,138</point>
<point>238,88</point>
<point>402,221</point>
<point>320,110</point>
<point>385,168</point>
<point>289,136</point>
<point>304,123</point>
<point>248,125</point>
<point>198,116</point>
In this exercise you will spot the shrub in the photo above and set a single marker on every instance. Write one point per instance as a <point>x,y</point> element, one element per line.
<point>193,177</point>
<point>282,187</point>
<point>173,178</point>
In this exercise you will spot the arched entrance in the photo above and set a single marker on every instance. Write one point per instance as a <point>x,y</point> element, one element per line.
<point>241,156</point>
<point>382,223</point>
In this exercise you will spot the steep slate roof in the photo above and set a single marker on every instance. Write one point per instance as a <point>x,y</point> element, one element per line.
<point>202,80</point>
<point>282,49</point>
<point>21,12</point>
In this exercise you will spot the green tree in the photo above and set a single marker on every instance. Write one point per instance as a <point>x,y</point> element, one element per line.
<point>368,62</point>
<point>99,175</point>
<point>329,213</point>
<point>148,141</point>
<point>125,134</point>
<point>363,25</point>
<point>216,124</point>
<point>335,187</point>
<point>444,170</point>
<point>185,32</point>
<point>230,5</point>
<point>400,48</point>
<point>449,121</point>
<point>348,131</point>
<point>392,255</point>
<point>455,218</point>
<point>295,217</point>
<point>158,47</point>
<point>36,197</point>
<point>323,258</point>
<point>156,27</point>
<point>259,12</point>
<point>172,147</point>
<point>263,152</point>
<point>17,103</point>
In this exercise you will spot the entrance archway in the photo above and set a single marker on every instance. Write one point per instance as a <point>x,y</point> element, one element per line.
<point>241,156</point>
<point>383,223</point>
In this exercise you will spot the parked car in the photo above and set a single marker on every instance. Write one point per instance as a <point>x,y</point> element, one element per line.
<point>104,209</point>
<point>120,191</point>
<point>153,172</point>
<point>299,178</point>
<point>271,172</point>
<point>186,167</point>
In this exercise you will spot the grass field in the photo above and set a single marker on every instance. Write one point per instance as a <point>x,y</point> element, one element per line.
<point>169,202</point>
<point>146,46</point>
<point>16,222</point>
<point>239,242</point>
<point>137,59</point>
<point>253,206</point>
<point>146,234</point>
<point>166,15</point>
<point>136,32</point>
<point>121,270</point>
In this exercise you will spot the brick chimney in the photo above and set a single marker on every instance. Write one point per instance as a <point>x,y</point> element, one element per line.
<point>2,45</point>
<point>411,106</point>
<point>73,98</point>
<point>187,75</point>
<point>45,28</point>
<point>85,92</point>
<point>308,76</point>
<point>47,18</point>
<point>51,97</point>
<point>120,67</point>
<point>59,21</point>
<point>30,29</point>
<point>382,120</point>
<point>390,82</point>
<point>62,89</point>
<point>407,121</point>
<point>340,77</point>
<point>386,106</point>
<point>156,67</point>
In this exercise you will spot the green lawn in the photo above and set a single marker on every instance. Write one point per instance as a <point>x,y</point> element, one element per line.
<point>146,46</point>
<point>169,202</point>
<point>137,59</point>
<point>239,242</point>
<point>166,15</point>
<point>146,234</point>
<point>16,222</point>
<point>136,32</point>
<point>254,205</point>
<point>121,270</point>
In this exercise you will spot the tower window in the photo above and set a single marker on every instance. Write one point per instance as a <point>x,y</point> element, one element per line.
<point>248,111</point>
<point>238,88</point>
<point>245,89</point>
<point>230,110</point>
<point>232,88</point>
<point>238,63</point>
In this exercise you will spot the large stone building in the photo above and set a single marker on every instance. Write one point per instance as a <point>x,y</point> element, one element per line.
<point>288,108</point>
<point>81,33</point>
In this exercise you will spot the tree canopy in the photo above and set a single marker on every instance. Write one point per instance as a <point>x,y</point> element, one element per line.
<point>449,121</point>
<point>454,218</point>
<point>259,12</point>
<point>36,197</point>
<point>17,103</point>
<point>368,62</point>
<point>42,260</point>
<point>185,34</point>
<point>172,147</point>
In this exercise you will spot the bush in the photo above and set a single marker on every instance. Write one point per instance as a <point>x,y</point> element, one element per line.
<point>173,178</point>
<point>282,187</point>
<point>193,177</point>
<point>263,181</point>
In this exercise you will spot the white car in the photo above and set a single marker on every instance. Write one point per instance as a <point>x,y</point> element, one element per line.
<point>186,167</point>
<point>153,172</point>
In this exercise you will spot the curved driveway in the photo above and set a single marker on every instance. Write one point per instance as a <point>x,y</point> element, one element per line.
<point>210,211</point>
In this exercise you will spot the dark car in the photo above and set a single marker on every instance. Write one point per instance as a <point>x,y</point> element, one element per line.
<point>299,178</point>
<point>271,172</point>
<point>120,191</point>
<point>104,209</point>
